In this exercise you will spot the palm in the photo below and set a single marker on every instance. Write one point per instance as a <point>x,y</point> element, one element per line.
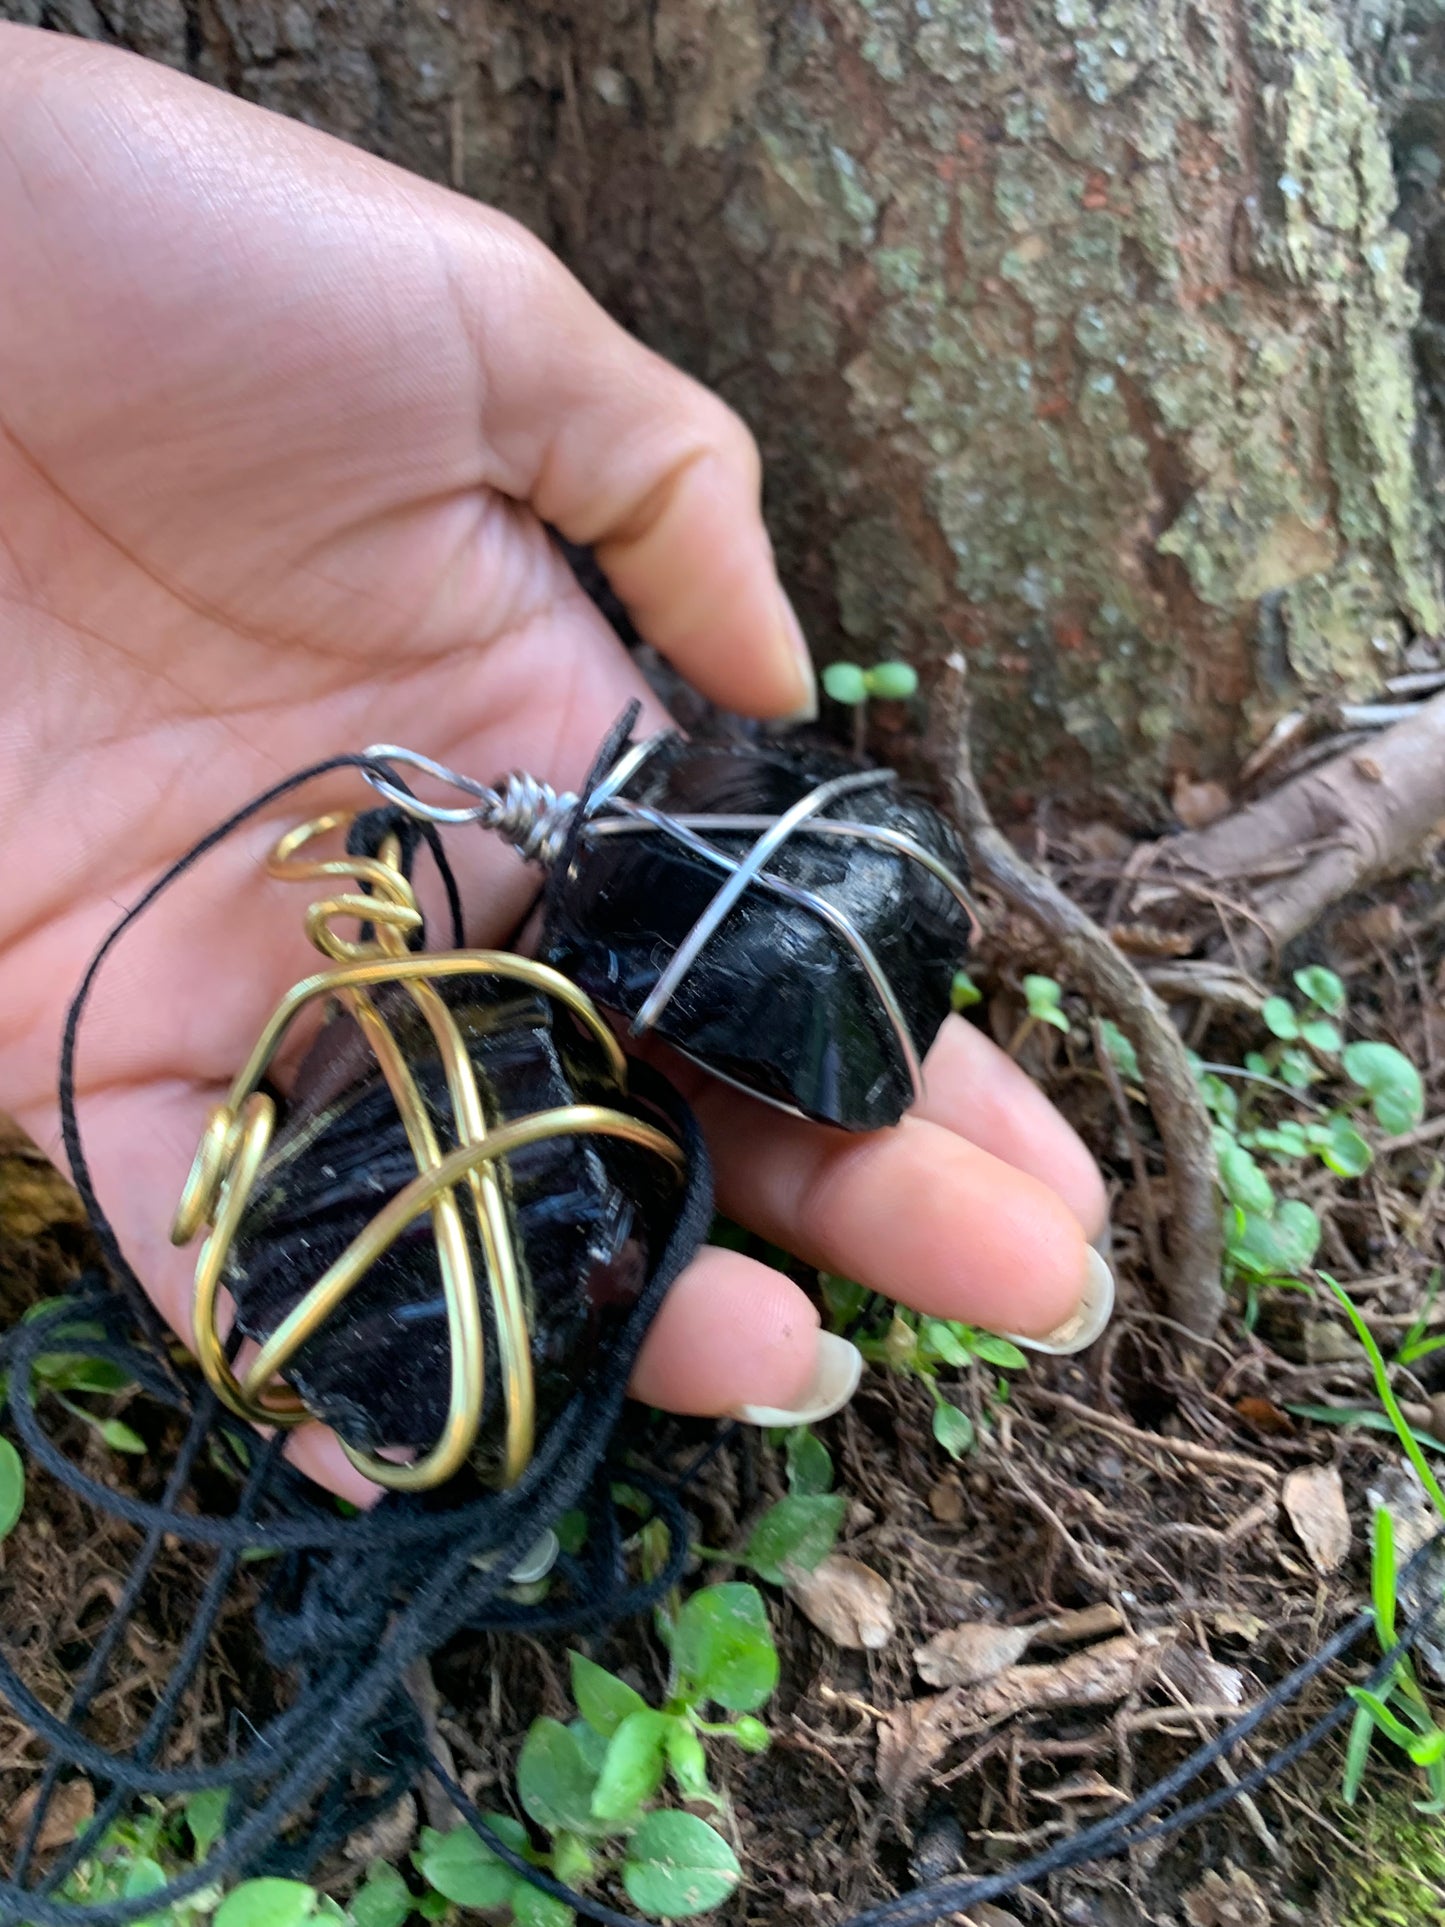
<point>279,427</point>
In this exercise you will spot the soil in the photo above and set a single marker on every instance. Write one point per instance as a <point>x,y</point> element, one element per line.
<point>1145,1477</point>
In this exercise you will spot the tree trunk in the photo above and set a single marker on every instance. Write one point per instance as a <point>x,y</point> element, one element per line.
<point>1081,335</point>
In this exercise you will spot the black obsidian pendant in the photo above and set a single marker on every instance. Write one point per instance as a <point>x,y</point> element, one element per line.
<point>786,919</point>
<point>584,1216</point>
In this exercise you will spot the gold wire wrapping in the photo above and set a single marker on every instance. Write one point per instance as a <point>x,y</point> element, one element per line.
<point>234,1143</point>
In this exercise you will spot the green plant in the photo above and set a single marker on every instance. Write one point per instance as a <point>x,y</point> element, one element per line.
<point>12,1488</point>
<point>851,685</point>
<point>590,1785</point>
<point>800,1530</point>
<point>893,682</point>
<point>139,1854</point>
<point>964,993</point>
<point>921,1347</point>
<point>75,1374</point>
<point>1271,1239</point>
<point>1398,1708</point>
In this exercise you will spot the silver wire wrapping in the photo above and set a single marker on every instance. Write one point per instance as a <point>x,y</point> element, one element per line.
<point>538,821</point>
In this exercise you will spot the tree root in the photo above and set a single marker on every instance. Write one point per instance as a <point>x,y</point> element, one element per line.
<point>1317,837</point>
<point>1093,965</point>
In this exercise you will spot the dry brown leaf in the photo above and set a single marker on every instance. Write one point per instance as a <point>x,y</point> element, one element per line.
<point>1203,1680</point>
<point>913,1738</point>
<point>1197,805</point>
<point>1104,842</point>
<point>1230,1624</point>
<point>1226,1900</point>
<point>1315,1502</point>
<point>945,1501</point>
<point>964,1655</point>
<point>72,1804</point>
<point>846,1600</point>
<point>1265,1416</point>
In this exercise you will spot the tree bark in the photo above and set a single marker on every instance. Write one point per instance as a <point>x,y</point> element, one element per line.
<point>1080,335</point>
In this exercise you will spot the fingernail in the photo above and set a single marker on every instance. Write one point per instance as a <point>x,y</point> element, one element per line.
<point>1085,1322</point>
<point>836,1372</point>
<point>797,642</point>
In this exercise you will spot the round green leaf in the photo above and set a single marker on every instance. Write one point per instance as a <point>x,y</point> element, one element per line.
<point>810,1466</point>
<point>1279,1018</point>
<point>1043,997</point>
<point>1323,988</point>
<point>74,1372</point>
<point>1298,1069</point>
<point>1240,1177</point>
<point>632,1771</point>
<point>603,1699</point>
<point>383,1899</point>
<point>266,1903</point>
<point>554,1778</point>
<point>893,682</point>
<point>1321,1035</point>
<point>846,683</point>
<point>964,993</point>
<point>1121,1052</point>
<point>1344,1151</point>
<point>533,1908</point>
<point>460,1867</point>
<point>677,1865</point>
<point>1279,1246</point>
<point>953,1430</point>
<point>572,1861</point>
<point>994,1350</point>
<point>119,1436</point>
<point>143,1876</point>
<point>206,1818</point>
<point>945,1341</point>
<point>1397,1095</point>
<point>688,1760</point>
<point>12,1487</point>
<point>751,1735</point>
<point>722,1647</point>
<point>590,1744</point>
<point>798,1531</point>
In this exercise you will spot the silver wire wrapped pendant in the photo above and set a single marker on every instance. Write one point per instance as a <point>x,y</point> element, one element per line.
<point>790,921</point>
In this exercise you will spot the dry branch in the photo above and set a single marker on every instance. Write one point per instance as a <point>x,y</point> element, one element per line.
<point>1093,965</point>
<point>1357,817</point>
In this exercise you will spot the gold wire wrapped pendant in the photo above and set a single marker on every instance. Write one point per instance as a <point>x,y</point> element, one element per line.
<point>427,1241</point>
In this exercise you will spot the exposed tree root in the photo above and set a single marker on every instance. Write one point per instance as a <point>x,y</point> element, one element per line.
<point>1092,964</point>
<point>1291,855</point>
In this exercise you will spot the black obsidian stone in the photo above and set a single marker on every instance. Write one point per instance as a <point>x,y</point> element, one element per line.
<point>776,1000</point>
<point>586,1214</point>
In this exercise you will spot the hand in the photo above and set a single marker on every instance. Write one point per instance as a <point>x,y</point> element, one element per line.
<point>280,429</point>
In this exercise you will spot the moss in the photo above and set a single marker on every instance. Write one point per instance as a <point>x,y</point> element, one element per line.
<point>1397,1876</point>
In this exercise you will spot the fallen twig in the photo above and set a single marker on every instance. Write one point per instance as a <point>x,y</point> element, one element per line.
<point>1207,1455</point>
<point>1096,967</point>
<point>1356,817</point>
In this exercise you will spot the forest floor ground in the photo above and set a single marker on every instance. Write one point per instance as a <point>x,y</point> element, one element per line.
<point>1145,1480</point>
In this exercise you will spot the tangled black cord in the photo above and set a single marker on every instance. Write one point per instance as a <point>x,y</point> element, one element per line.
<point>349,1604</point>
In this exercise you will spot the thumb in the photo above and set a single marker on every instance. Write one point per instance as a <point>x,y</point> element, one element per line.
<point>626,455</point>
